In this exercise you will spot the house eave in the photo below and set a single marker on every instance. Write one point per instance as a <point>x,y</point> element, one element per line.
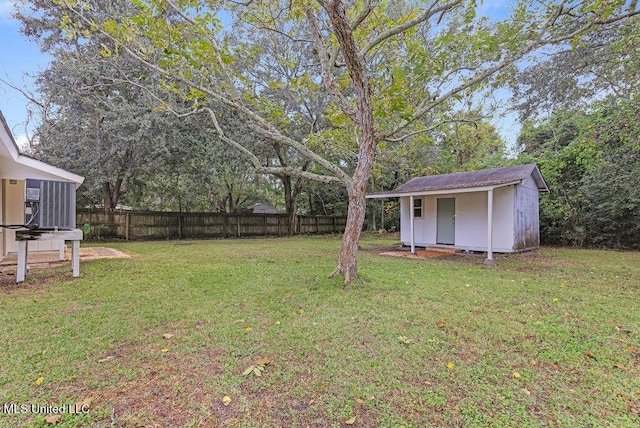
<point>382,195</point>
<point>20,166</point>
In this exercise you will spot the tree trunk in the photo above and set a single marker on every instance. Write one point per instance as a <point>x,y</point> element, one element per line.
<point>107,199</point>
<point>288,203</point>
<point>357,186</point>
<point>348,262</point>
<point>291,195</point>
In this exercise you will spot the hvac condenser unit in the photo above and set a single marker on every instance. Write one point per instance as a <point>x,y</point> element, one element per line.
<point>50,204</point>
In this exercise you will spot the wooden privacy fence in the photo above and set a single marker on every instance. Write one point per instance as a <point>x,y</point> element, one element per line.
<point>132,225</point>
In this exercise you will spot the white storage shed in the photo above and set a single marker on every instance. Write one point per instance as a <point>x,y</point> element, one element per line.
<point>492,210</point>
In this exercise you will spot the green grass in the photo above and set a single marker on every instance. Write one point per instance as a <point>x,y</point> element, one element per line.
<point>378,350</point>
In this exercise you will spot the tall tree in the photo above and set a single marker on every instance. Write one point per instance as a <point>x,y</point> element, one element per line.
<point>573,78</point>
<point>388,67</point>
<point>95,124</point>
<point>590,162</point>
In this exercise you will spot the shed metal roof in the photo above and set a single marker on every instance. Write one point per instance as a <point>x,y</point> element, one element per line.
<point>485,178</point>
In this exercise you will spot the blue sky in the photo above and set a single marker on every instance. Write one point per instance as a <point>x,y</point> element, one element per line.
<point>17,57</point>
<point>21,58</point>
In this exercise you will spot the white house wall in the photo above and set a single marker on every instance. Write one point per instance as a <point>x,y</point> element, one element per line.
<point>3,251</point>
<point>526,216</point>
<point>14,211</point>
<point>471,220</point>
<point>14,214</point>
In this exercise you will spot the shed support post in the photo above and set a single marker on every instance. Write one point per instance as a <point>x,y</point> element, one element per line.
<point>22,261</point>
<point>489,260</point>
<point>75,259</point>
<point>411,216</point>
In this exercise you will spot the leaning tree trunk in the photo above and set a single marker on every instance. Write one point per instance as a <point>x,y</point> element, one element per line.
<point>348,260</point>
<point>357,190</point>
<point>363,116</point>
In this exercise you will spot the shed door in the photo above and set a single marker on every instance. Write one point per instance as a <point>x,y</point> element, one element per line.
<point>446,221</point>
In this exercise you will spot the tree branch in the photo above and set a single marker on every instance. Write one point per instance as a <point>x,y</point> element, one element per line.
<point>364,13</point>
<point>540,41</point>
<point>326,64</point>
<point>434,127</point>
<point>431,11</point>
<point>256,122</point>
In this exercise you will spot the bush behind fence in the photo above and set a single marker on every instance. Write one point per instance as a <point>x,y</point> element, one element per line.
<point>141,225</point>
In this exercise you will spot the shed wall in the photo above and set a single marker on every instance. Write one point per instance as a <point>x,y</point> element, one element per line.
<point>471,220</point>
<point>526,216</point>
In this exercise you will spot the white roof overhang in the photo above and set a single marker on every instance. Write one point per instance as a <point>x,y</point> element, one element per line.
<point>439,191</point>
<point>16,166</point>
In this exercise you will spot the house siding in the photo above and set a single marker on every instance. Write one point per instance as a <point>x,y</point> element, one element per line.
<point>3,234</point>
<point>14,214</point>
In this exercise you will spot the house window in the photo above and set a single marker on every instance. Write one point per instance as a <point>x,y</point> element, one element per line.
<point>417,208</point>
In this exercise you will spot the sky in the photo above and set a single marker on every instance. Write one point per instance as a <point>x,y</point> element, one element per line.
<point>20,59</point>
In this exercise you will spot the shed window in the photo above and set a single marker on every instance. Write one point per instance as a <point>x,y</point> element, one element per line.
<point>417,208</point>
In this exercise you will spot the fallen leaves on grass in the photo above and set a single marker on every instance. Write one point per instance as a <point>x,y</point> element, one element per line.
<point>350,421</point>
<point>255,369</point>
<point>516,375</point>
<point>226,400</point>
<point>52,419</point>
<point>450,365</point>
<point>167,336</point>
<point>165,350</point>
<point>406,340</point>
<point>633,409</point>
<point>440,324</point>
<point>40,380</point>
<point>620,367</point>
<point>588,354</point>
<point>82,406</point>
<point>105,359</point>
<point>262,361</point>
<point>248,328</point>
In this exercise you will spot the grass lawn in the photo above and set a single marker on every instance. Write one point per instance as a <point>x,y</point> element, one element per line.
<point>548,338</point>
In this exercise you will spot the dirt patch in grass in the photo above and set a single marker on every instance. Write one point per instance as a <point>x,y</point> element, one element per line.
<point>142,385</point>
<point>8,271</point>
<point>420,254</point>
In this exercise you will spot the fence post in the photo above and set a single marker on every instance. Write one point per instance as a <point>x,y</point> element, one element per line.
<point>225,225</point>
<point>127,221</point>
<point>238,224</point>
<point>265,225</point>
<point>333,223</point>
<point>317,225</point>
<point>179,225</point>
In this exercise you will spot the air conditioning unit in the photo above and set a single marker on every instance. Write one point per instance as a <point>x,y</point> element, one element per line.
<point>50,204</point>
